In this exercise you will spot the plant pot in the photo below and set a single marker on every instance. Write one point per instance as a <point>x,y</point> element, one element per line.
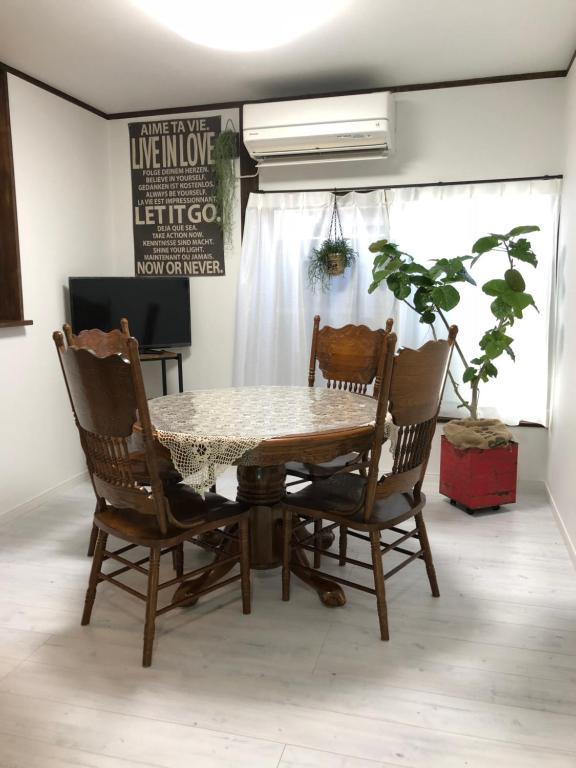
<point>336,264</point>
<point>479,478</point>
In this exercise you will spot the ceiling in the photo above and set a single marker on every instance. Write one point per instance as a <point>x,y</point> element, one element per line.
<point>109,54</point>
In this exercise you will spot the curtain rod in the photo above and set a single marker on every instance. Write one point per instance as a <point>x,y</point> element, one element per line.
<point>343,190</point>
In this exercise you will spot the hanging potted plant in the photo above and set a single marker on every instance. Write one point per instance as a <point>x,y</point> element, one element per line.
<point>478,456</point>
<point>333,257</point>
<point>224,153</point>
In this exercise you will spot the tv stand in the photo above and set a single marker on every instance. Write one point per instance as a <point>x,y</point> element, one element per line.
<point>161,355</point>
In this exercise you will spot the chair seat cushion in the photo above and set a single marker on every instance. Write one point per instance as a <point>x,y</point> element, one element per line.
<point>186,506</point>
<point>342,494</point>
<point>319,471</point>
<point>341,497</point>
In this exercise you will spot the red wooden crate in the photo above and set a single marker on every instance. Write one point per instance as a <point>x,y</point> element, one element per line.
<point>479,478</point>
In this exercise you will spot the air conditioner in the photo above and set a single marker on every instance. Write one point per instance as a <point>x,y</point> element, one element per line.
<point>320,130</point>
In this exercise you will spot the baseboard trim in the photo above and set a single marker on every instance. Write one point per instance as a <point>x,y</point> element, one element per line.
<point>570,546</point>
<point>41,498</point>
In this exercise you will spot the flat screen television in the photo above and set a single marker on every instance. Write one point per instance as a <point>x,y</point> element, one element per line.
<point>157,308</point>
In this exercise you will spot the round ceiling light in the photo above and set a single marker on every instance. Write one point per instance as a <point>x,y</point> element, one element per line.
<point>241,25</point>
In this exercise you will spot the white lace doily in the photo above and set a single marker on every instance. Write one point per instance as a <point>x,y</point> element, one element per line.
<point>209,429</point>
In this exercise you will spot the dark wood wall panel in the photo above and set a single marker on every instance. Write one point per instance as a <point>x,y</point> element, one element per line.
<point>11,307</point>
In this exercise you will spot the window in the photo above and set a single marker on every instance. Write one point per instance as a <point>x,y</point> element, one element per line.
<point>275,306</point>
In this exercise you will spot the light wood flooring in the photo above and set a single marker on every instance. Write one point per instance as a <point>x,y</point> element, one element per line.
<point>484,676</point>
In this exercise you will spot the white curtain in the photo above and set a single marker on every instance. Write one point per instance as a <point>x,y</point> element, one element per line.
<point>275,306</point>
<point>435,222</point>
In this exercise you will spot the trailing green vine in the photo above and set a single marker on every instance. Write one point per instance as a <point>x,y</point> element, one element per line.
<point>321,267</point>
<point>224,153</point>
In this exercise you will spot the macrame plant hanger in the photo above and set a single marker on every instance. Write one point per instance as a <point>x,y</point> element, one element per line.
<point>336,263</point>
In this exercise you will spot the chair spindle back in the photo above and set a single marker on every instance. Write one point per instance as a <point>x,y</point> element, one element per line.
<point>348,357</point>
<point>108,397</point>
<point>412,389</point>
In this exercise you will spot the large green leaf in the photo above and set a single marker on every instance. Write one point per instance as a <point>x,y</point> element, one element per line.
<point>465,276</point>
<point>378,275</point>
<point>435,271</point>
<point>427,317</point>
<point>381,260</point>
<point>403,291</point>
<point>518,300</point>
<point>399,285</point>
<point>491,370</point>
<point>495,287</point>
<point>421,281</point>
<point>413,268</point>
<point>384,246</point>
<point>378,246</point>
<point>485,244</point>
<point>514,280</point>
<point>422,299</point>
<point>445,297</point>
<point>522,250</point>
<point>501,309</point>
<point>521,231</point>
<point>494,342</point>
<point>493,349</point>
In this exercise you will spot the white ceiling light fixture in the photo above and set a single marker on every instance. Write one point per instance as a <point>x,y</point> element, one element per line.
<point>241,25</point>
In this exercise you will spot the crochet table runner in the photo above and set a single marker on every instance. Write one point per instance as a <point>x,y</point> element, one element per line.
<point>207,430</point>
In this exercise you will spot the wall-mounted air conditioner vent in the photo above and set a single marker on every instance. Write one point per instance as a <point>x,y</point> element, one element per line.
<point>319,130</point>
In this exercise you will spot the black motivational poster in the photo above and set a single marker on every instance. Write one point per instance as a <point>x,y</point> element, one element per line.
<point>176,224</point>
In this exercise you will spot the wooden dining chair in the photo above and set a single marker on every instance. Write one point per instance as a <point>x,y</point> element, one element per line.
<point>103,344</point>
<point>348,359</point>
<point>108,398</point>
<point>411,391</point>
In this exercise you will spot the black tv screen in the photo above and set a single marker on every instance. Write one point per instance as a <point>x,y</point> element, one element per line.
<point>157,308</point>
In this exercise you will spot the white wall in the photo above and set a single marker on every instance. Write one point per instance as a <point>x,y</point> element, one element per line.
<point>60,159</point>
<point>562,455</point>
<point>74,207</point>
<point>502,130</point>
<point>208,362</point>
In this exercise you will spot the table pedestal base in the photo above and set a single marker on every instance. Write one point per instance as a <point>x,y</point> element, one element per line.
<point>263,488</point>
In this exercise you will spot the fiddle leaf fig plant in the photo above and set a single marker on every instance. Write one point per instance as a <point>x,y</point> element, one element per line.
<point>432,291</point>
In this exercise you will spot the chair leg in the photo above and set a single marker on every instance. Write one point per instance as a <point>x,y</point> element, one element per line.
<point>379,584</point>
<point>423,534</point>
<point>286,552</point>
<point>317,542</point>
<point>151,603</point>
<point>343,545</point>
<point>92,541</point>
<point>178,559</point>
<point>101,540</point>
<point>245,565</point>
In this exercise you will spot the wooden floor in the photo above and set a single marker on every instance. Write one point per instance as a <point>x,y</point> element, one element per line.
<point>483,677</point>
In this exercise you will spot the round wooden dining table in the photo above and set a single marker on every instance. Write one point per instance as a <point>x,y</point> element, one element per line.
<point>259,429</point>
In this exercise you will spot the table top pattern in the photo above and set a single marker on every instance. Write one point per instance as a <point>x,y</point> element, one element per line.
<point>208,429</point>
